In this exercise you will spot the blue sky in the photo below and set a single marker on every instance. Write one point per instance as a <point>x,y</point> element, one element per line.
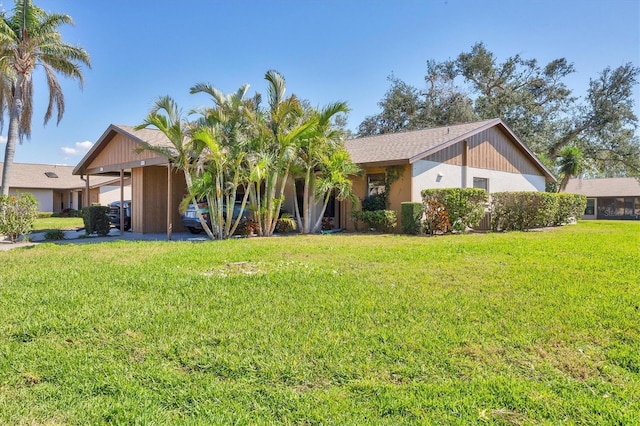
<point>336,50</point>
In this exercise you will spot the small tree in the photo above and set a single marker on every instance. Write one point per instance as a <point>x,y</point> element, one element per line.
<point>17,215</point>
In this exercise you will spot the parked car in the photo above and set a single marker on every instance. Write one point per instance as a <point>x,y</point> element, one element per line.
<point>190,218</point>
<point>114,214</point>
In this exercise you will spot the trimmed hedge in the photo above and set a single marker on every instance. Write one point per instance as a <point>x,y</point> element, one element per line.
<point>96,220</point>
<point>525,210</point>
<point>411,217</point>
<point>570,207</point>
<point>465,206</point>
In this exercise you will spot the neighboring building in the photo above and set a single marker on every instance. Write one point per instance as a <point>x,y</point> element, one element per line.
<point>485,154</point>
<point>608,198</point>
<point>54,186</point>
<point>156,187</point>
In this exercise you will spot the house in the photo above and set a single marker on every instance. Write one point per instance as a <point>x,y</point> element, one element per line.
<point>55,187</point>
<point>485,154</point>
<point>608,198</point>
<point>157,188</point>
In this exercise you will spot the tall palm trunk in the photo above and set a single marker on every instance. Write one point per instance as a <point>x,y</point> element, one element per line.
<point>12,137</point>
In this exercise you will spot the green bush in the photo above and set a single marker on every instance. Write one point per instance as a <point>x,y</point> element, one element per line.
<point>570,207</point>
<point>54,234</point>
<point>411,217</point>
<point>285,224</point>
<point>465,206</point>
<point>375,202</point>
<point>523,210</point>
<point>45,215</point>
<point>379,220</point>
<point>17,215</point>
<point>96,220</point>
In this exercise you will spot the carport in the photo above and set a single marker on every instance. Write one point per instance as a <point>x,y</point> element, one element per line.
<point>156,187</point>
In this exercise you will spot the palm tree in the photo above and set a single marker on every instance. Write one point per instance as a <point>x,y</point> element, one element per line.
<point>312,153</point>
<point>276,133</point>
<point>569,163</point>
<point>167,117</point>
<point>337,168</point>
<point>27,39</point>
<point>221,132</point>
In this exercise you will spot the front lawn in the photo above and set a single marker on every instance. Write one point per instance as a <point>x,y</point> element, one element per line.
<point>44,224</point>
<point>515,328</point>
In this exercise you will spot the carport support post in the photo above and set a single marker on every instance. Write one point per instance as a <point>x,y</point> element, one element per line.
<point>86,192</point>
<point>169,203</point>
<point>121,201</point>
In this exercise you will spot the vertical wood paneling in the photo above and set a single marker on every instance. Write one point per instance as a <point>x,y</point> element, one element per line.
<point>155,199</point>
<point>120,150</point>
<point>137,202</point>
<point>450,155</point>
<point>492,150</point>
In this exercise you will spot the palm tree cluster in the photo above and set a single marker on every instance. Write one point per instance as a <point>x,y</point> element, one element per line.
<point>29,39</point>
<point>239,152</point>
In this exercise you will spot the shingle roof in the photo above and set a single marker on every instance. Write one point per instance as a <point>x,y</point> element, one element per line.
<point>605,187</point>
<point>34,176</point>
<point>408,147</point>
<point>404,146</point>
<point>152,136</point>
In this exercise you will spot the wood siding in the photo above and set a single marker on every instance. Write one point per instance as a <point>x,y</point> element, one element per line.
<point>119,151</point>
<point>149,199</point>
<point>450,155</point>
<point>490,150</point>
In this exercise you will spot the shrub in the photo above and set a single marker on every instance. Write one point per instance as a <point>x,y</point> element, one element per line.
<point>523,210</point>
<point>45,215</point>
<point>17,215</point>
<point>247,227</point>
<point>379,220</point>
<point>375,202</point>
<point>436,219</point>
<point>570,207</point>
<point>465,206</point>
<point>54,234</point>
<point>411,217</point>
<point>285,224</point>
<point>96,220</point>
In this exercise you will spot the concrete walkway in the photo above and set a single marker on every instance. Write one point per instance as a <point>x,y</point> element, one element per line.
<point>79,237</point>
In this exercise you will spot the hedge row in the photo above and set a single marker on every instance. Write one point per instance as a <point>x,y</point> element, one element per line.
<point>526,210</point>
<point>465,207</point>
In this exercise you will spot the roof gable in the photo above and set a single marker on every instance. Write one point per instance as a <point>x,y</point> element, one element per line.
<point>409,147</point>
<point>131,139</point>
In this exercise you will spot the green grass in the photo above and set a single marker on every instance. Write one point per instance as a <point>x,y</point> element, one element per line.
<point>50,223</point>
<point>516,328</point>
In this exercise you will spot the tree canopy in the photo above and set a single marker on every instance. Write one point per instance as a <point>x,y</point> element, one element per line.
<point>29,38</point>
<point>532,98</point>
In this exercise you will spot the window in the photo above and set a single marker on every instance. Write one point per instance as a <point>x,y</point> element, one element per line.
<point>482,183</point>
<point>50,174</point>
<point>375,184</point>
<point>590,210</point>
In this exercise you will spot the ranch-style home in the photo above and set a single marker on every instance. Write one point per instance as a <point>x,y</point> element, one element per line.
<point>485,154</point>
<point>56,188</point>
<point>609,198</point>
